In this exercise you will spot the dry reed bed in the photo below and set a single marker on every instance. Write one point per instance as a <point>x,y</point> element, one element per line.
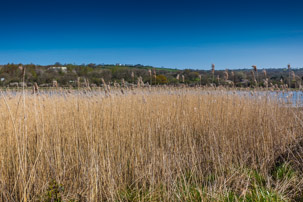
<point>101,147</point>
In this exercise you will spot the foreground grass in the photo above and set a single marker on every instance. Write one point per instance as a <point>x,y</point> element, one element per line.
<point>163,144</point>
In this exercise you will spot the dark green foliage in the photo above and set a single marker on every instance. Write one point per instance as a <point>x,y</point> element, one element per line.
<point>283,172</point>
<point>53,192</point>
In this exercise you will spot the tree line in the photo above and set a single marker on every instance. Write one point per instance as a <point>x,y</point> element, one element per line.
<point>68,75</point>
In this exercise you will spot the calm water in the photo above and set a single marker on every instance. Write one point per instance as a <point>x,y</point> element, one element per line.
<point>292,98</point>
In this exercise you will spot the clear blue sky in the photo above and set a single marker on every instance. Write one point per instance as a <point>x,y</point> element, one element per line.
<point>175,34</point>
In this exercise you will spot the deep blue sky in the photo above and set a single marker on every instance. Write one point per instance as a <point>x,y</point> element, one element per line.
<point>176,34</point>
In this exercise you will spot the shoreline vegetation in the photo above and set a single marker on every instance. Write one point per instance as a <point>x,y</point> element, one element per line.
<point>94,75</point>
<point>159,143</point>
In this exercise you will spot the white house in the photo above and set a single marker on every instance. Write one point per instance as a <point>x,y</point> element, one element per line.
<point>64,69</point>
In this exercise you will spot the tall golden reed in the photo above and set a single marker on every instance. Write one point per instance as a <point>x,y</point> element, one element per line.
<point>149,144</point>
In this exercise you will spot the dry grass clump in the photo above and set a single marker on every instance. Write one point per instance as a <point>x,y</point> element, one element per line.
<point>146,145</point>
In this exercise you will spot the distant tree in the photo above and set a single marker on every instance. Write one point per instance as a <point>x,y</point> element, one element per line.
<point>193,76</point>
<point>161,79</point>
<point>92,65</point>
<point>57,64</point>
